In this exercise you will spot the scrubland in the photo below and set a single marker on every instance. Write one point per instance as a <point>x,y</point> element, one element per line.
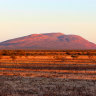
<point>48,73</point>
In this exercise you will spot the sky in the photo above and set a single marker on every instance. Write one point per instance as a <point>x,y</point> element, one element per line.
<point>24,17</point>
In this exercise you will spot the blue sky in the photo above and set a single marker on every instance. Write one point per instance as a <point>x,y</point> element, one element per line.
<point>23,17</point>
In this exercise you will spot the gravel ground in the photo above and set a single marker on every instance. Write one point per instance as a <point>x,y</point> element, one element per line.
<point>45,86</point>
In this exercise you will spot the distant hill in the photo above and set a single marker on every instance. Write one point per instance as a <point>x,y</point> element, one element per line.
<point>48,41</point>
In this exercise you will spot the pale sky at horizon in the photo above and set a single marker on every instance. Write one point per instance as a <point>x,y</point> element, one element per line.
<point>24,17</point>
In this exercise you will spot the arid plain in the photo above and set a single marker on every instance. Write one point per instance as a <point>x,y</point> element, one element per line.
<point>47,73</point>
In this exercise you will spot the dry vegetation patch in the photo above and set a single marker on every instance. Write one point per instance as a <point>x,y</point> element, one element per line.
<point>47,73</point>
<point>44,86</point>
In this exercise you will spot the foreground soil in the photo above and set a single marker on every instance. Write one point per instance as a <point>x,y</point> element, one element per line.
<point>45,86</point>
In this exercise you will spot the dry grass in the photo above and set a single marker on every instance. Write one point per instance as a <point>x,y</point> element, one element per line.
<point>45,86</point>
<point>47,76</point>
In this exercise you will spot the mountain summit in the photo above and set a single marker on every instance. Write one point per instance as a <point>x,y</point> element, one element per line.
<point>48,41</point>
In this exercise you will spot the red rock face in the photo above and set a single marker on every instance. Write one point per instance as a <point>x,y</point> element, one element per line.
<point>48,41</point>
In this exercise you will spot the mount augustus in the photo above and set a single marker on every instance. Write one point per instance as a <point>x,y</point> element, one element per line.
<point>48,41</point>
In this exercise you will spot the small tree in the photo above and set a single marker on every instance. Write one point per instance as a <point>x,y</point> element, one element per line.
<point>60,57</point>
<point>13,57</point>
<point>90,55</point>
<point>21,53</point>
<point>74,56</point>
<point>1,54</point>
